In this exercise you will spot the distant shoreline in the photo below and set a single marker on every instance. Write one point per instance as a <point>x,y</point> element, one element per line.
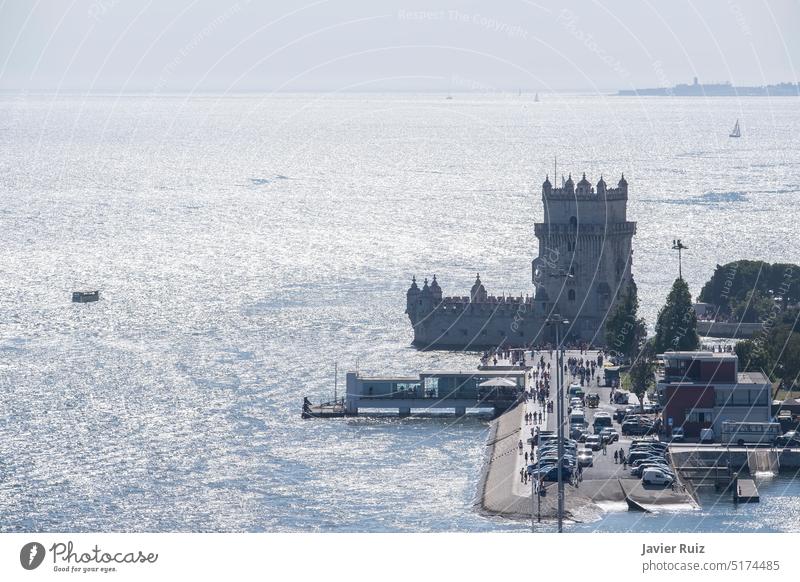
<point>715,90</point>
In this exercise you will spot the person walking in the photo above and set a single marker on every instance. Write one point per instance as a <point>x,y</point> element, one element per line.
<point>616,457</point>
<point>604,449</point>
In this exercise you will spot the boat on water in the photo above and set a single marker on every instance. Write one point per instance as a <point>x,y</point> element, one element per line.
<point>536,98</point>
<point>736,131</point>
<point>85,296</point>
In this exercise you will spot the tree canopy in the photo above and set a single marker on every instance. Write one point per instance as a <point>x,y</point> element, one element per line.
<point>625,330</point>
<point>676,327</point>
<point>733,284</point>
<point>775,350</point>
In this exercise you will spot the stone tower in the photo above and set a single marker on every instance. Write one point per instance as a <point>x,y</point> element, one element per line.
<point>583,266</point>
<point>584,259</point>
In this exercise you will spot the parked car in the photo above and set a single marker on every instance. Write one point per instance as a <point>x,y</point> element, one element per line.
<point>585,458</point>
<point>677,434</point>
<point>644,460</point>
<point>551,473</point>
<point>656,477</point>
<point>789,439</point>
<point>594,442</point>
<point>619,414</point>
<point>639,469</point>
<point>609,435</point>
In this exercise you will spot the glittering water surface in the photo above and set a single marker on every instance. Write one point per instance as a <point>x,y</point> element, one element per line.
<point>243,244</point>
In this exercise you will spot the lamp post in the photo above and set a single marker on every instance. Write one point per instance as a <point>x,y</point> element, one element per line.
<point>677,245</point>
<point>557,321</point>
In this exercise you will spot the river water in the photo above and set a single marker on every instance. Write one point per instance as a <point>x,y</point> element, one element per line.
<point>243,244</point>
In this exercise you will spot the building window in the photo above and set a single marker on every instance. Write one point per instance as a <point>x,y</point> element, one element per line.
<point>571,295</point>
<point>698,417</point>
<point>570,246</point>
<point>573,222</point>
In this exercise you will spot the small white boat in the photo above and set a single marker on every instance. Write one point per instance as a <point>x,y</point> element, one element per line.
<point>736,132</point>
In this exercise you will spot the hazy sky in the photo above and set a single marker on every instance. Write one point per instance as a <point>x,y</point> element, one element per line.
<point>426,45</point>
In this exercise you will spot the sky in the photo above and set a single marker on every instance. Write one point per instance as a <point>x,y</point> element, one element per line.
<point>402,45</point>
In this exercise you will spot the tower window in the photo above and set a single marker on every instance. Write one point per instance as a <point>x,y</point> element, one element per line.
<point>573,222</point>
<point>571,295</point>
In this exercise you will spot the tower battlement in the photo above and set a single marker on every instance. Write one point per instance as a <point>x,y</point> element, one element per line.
<point>584,190</point>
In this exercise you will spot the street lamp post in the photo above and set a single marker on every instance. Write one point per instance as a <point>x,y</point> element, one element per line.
<point>557,320</point>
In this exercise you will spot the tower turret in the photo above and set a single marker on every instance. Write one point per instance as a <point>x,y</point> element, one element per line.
<point>478,292</point>
<point>601,187</point>
<point>436,291</point>
<point>569,185</point>
<point>425,296</point>
<point>547,187</point>
<point>412,296</point>
<point>584,186</point>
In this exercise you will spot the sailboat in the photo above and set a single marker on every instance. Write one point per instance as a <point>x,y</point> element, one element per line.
<point>536,98</point>
<point>736,132</point>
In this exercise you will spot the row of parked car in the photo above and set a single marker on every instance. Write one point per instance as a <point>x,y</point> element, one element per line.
<point>546,465</point>
<point>637,421</point>
<point>649,459</point>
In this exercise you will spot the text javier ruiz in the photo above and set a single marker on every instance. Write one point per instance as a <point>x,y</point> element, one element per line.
<point>674,549</point>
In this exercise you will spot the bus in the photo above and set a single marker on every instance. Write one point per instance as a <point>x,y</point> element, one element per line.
<point>749,433</point>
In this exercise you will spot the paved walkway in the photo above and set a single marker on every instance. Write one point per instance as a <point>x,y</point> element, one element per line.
<point>605,484</point>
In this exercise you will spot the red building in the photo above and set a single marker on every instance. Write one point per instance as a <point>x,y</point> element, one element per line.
<point>700,390</point>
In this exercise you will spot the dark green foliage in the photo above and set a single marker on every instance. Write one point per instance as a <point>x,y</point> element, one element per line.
<point>641,372</point>
<point>676,328</point>
<point>731,283</point>
<point>776,350</point>
<point>625,331</point>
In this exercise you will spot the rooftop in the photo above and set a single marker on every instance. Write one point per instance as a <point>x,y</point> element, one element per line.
<point>698,355</point>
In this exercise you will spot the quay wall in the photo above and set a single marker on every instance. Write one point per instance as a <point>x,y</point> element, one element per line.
<point>728,329</point>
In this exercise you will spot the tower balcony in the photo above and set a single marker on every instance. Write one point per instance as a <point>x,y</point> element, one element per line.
<point>544,229</point>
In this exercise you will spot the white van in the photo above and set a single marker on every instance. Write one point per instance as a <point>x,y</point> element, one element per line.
<point>706,435</point>
<point>653,476</point>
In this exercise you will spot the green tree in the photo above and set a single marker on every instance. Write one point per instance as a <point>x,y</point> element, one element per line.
<point>753,308</point>
<point>642,371</point>
<point>676,328</point>
<point>625,331</point>
<point>753,356</point>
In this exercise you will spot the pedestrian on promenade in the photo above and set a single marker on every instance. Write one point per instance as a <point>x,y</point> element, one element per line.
<point>521,475</point>
<point>624,461</point>
<point>616,457</point>
<point>604,449</point>
<point>520,446</point>
<point>526,457</point>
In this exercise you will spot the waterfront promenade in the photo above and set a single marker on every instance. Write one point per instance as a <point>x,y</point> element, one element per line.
<point>604,485</point>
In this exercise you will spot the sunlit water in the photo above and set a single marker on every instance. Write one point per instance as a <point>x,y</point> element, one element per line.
<point>243,244</point>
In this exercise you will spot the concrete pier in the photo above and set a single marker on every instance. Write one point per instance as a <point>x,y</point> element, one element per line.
<point>605,486</point>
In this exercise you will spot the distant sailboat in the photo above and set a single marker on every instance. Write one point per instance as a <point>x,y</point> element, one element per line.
<point>736,132</point>
<point>536,98</point>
